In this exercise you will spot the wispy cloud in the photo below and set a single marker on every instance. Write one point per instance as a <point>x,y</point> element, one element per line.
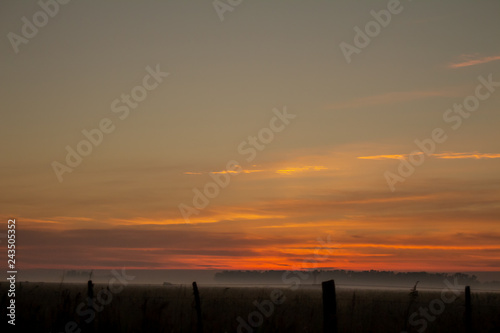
<point>289,171</point>
<point>285,171</point>
<point>446,155</point>
<point>213,216</point>
<point>242,171</point>
<point>449,220</point>
<point>474,155</point>
<point>223,171</point>
<point>385,157</point>
<point>467,60</point>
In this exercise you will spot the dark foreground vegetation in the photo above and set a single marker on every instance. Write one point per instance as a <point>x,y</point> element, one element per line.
<point>46,307</point>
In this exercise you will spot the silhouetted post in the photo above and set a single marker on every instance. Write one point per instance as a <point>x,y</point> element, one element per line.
<point>90,293</point>
<point>468,311</point>
<point>90,304</point>
<point>329,307</point>
<point>413,298</point>
<point>199,324</point>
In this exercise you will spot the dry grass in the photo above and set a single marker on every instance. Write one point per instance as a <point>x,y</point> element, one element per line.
<point>48,307</point>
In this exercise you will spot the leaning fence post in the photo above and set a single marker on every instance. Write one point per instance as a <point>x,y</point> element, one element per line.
<point>468,311</point>
<point>329,307</point>
<point>199,324</point>
<point>413,298</point>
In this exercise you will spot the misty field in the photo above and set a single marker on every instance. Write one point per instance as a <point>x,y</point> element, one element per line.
<point>47,307</point>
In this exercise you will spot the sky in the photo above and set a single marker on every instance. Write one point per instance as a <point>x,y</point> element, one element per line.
<point>251,135</point>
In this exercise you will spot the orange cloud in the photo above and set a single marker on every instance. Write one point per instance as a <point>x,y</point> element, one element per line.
<point>236,172</point>
<point>424,247</point>
<point>203,247</point>
<point>289,171</point>
<point>474,155</point>
<point>446,155</point>
<point>472,60</point>
<point>215,216</point>
<point>385,157</point>
<point>223,171</point>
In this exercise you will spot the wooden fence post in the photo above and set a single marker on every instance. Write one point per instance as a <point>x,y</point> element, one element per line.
<point>329,307</point>
<point>413,297</point>
<point>91,327</point>
<point>199,324</point>
<point>90,293</point>
<point>468,311</point>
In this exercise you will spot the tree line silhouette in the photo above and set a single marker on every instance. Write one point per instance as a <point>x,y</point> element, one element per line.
<point>371,277</point>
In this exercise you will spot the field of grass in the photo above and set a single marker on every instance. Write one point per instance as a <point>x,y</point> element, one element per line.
<point>46,307</point>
